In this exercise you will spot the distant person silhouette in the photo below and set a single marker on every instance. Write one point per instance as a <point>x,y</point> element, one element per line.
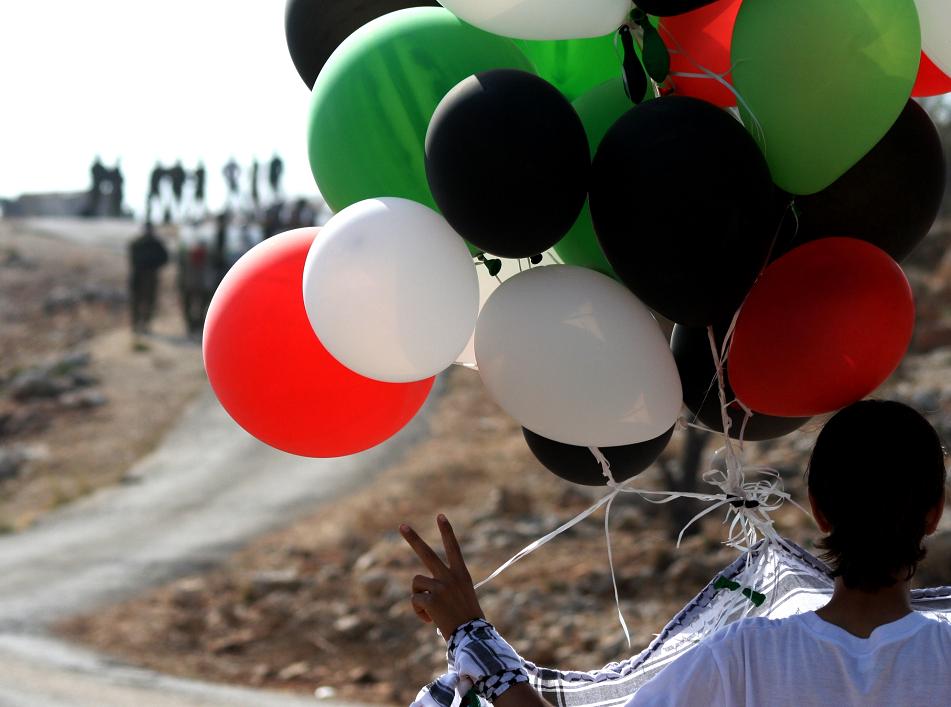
<point>147,256</point>
<point>274,221</point>
<point>177,176</point>
<point>303,215</point>
<point>232,173</point>
<point>118,191</point>
<point>275,174</point>
<point>255,191</point>
<point>220,252</point>
<point>98,176</point>
<point>155,189</point>
<point>200,183</point>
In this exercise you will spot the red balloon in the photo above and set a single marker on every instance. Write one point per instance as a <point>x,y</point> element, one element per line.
<point>275,378</point>
<point>701,40</point>
<point>931,81</point>
<point>823,327</point>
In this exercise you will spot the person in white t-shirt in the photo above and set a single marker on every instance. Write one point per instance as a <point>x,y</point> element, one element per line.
<point>877,488</point>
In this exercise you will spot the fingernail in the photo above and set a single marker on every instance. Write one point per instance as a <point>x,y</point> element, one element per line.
<point>441,518</point>
<point>404,528</point>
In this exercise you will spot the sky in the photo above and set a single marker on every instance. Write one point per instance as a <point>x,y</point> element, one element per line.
<point>146,81</point>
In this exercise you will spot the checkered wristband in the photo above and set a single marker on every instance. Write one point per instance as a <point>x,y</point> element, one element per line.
<point>478,628</point>
<point>477,652</point>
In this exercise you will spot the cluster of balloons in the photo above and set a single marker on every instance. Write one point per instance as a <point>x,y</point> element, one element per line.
<point>449,137</point>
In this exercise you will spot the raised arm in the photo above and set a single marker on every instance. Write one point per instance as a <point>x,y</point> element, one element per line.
<point>447,598</point>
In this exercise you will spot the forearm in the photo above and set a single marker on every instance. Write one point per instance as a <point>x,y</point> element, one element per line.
<point>521,696</point>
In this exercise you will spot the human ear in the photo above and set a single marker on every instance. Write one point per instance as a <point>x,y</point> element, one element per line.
<point>824,525</point>
<point>934,515</point>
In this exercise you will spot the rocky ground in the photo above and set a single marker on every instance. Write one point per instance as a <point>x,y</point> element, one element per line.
<point>325,604</point>
<point>80,399</point>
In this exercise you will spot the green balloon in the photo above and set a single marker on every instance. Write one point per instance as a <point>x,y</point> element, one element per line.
<point>825,80</point>
<point>373,100</point>
<point>574,66</point>
<point>599,109</point>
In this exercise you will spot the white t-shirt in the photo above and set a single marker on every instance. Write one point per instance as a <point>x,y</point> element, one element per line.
<point>805,661</point>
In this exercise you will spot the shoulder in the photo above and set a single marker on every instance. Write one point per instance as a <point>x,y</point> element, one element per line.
<point>734,644</point>
<point>937,626</point>
<point>751,628</point>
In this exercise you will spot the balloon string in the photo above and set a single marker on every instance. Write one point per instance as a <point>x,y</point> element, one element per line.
<point>605,466</point>
<point>606,470</point>
<point>714,379</point>
<point>747,512</point>
<point>760,133</point>
<point>617,596</point>
<point>531,547</point>
<point>749,503</point>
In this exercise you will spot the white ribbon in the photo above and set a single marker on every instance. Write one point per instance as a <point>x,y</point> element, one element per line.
<point>750,494</point>
<point>706,73</point>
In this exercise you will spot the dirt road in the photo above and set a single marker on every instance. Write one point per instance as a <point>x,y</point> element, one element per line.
<point>207,489</point>
<point>40,672</point>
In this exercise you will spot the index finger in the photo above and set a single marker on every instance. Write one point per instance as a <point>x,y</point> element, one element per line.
<point>449,541</point>
<point>423,551</point>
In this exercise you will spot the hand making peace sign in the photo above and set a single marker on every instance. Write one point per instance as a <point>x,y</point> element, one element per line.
<point>447,598</point>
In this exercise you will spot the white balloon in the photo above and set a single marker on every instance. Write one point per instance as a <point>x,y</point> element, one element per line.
<point>487,285</point>
<point>575,357</point>
<point>936,31</point>
<point>543,19</point>
<point>391,290</point>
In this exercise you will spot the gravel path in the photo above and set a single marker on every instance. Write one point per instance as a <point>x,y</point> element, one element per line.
<point>208,489</point>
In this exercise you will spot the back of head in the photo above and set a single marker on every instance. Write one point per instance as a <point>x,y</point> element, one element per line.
<point>877,469</point>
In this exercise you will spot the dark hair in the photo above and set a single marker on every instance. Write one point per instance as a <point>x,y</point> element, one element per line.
<point>876,470</point>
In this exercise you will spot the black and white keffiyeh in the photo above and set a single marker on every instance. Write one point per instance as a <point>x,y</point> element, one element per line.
<point>480,661</point>
<point>773,580</point>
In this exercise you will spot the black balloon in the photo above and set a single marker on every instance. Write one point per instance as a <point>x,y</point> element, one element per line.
<point>508,162</point>
<point>315,28</point>
<point>682,203</point>
<point>667,8</point>
<point>698,374</point>
<point>891,198</point>
<point>578,465</point>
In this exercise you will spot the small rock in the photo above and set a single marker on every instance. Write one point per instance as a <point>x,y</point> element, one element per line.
<point>328,574</point>
<point>926,401</point>
<point>233,642</point>
<point>506,501</point>
<point>375,582</point>
<point>325,692</point>
<point>95,293</point>
<point>279,604</point>
<point>71,361</point>
<point>12,462</point>
<point>628,518</point>
<point>12,258</point>
<point>22,421</point>
<point>60,298</point>
<point>260,673</point>
<point>83,400</point>
<point>264,583</point>
<point>572,496</point>
<point>189,594</point>
<point>81,379</point>
<point>351,625</point>
<point>361,676</point>
<point>366,561</point>
<point>294,671</point>
<point>34,384</point>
